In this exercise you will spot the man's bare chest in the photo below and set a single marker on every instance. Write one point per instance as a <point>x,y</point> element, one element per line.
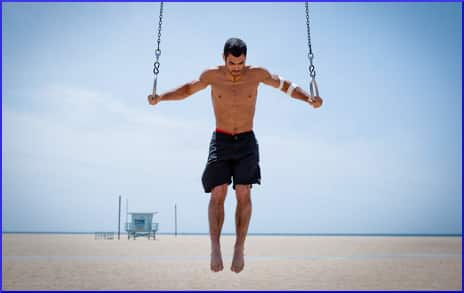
<point>230,92</point>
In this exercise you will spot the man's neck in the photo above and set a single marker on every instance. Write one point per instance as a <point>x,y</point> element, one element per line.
<point>234,78</point>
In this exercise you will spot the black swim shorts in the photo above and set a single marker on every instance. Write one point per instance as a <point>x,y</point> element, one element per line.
<point>232,157</point>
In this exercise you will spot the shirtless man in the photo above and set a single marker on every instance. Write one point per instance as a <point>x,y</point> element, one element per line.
<point>233,150</point>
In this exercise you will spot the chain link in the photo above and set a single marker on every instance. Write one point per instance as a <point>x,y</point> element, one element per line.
<point>311,68</point>
<point>158,50</point>
<point>156,65</point>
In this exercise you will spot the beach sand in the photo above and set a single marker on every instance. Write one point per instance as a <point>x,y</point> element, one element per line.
<point>79,262</point>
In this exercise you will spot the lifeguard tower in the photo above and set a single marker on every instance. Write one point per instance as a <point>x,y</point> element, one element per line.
<point>141,224</point>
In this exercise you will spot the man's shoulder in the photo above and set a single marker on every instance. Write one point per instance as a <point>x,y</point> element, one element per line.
<point>210,73</point>
<point>259,71</point>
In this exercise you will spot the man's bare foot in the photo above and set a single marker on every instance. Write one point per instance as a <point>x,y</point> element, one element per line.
<point>216,260</point>
<point>238,262</point>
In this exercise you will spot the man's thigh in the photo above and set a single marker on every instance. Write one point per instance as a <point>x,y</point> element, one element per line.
<point>215,174</point>
<point>247,171</point>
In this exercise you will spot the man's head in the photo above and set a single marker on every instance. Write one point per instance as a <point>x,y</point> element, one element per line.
<point>234,55</point>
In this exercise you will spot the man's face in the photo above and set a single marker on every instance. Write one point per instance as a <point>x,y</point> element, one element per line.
<point>235,64</point>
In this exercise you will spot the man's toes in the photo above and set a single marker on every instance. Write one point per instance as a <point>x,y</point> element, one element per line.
<point>217,267</point>
<point>236,269</point>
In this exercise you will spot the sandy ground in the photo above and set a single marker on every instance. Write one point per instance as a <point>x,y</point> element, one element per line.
<point>79,262</point>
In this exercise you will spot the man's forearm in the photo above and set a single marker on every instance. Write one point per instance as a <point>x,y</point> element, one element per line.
<point>300,94</point>
<point>294,91</point>
<point>179,93</point>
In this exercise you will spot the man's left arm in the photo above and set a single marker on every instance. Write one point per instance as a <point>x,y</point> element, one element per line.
<point>289,88</point>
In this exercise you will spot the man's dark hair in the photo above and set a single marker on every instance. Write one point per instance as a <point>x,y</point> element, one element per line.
<point>235,46</point>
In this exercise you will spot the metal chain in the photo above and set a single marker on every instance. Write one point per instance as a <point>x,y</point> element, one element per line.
<point>313,89</point>
<point>312,69</point>
<point>158,50</point>
<point>156,65</point>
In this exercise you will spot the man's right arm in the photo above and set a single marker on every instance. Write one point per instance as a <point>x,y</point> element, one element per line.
<point>290,88</point>
<point>183,91</point>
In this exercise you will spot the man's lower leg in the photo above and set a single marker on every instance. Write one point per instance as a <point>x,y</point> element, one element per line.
<point>242,220</point>
<point>216,220</point>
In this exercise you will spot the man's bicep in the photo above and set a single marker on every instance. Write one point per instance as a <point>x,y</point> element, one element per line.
<point>203,81</point>
<point>270,79</point>
<point>277,81</point>
<point>196,86</point>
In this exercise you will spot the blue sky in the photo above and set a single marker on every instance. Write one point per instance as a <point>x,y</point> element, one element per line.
<point>383,154</point>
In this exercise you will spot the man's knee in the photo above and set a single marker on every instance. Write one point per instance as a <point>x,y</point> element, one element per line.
<point>243,194</point>
<point>218,194</point>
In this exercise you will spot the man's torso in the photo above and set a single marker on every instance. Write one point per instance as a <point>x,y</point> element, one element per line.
<point>234,102</point>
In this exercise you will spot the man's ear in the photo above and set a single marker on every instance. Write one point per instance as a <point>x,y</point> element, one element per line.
<point>224,57</point>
